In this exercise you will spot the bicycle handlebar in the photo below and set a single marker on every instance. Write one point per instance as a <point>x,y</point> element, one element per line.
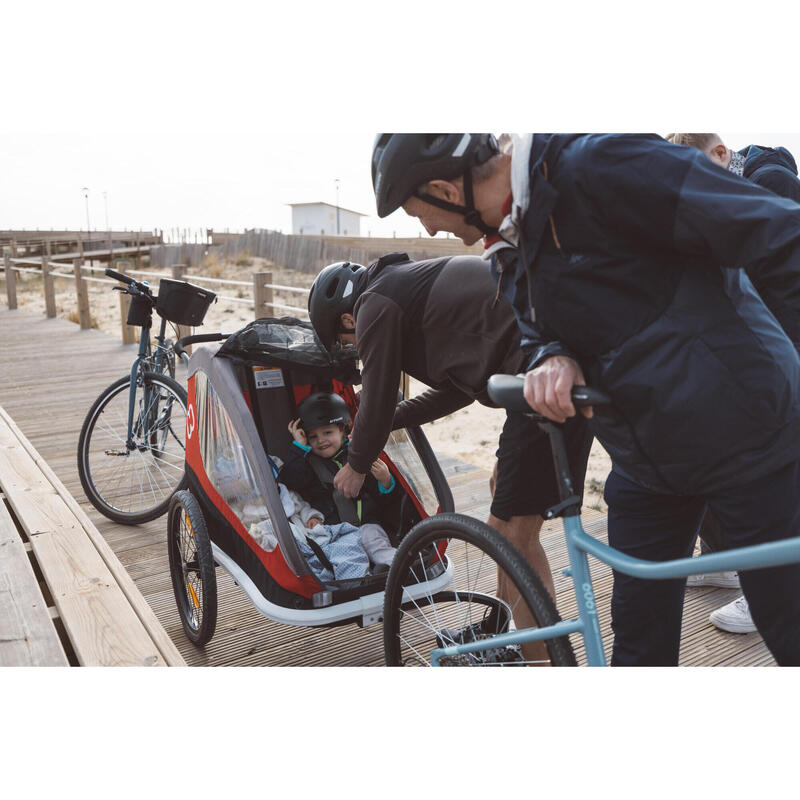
<point>119,276</point>
<point>506,391</point>
<point>179,346</point>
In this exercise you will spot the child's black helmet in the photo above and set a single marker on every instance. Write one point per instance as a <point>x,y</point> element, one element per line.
<point>333,293</point>
<point>323,408</point>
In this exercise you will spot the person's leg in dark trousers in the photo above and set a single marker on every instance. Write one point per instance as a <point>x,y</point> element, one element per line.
<point>710,535</point>
<point>646,615</point>
<point>767,510</point>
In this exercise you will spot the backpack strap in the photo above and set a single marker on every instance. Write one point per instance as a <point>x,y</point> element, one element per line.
<point>349,510</point>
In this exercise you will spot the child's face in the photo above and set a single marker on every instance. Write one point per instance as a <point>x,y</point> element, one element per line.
<point>326,440</point>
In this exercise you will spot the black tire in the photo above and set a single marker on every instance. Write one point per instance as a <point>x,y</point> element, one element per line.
<point>132,486</point>
<point>191,567</point>
<point>467,609</point>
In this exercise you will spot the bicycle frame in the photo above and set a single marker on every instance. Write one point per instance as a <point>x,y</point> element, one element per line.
<point>143,355</point>
<point>580,545</point>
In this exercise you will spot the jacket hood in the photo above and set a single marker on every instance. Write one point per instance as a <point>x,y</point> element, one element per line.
<point>757,156</point>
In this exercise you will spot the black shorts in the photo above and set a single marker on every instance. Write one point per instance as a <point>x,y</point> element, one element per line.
<point>526,481</point>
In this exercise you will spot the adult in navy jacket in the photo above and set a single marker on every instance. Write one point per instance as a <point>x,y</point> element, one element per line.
<point>774,169</point>
<point>628,272</point>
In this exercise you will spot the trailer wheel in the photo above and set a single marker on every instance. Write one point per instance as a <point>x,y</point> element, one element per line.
<point>191,566</point>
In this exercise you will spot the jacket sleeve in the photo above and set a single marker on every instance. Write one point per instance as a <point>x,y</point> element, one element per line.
<point>512,280</point>
<point>676,198</point>
<point>779,181</point>
<point>296,473</point>
<point>428,406</point>
<point>379,334</point>
<point>305,510</point>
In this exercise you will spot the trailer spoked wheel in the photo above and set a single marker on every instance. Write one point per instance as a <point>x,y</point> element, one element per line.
<point>191,566</point>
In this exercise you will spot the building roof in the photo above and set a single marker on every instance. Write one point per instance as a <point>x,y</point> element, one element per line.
<point>341,208</point>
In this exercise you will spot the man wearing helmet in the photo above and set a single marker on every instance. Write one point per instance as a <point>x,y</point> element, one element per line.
<point>609,249</point>
<point>440,321</point>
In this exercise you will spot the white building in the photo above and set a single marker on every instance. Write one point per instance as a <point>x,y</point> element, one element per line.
<point>323,219</point>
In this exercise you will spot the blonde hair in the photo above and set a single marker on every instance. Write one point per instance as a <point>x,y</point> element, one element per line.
<point>700,141</point>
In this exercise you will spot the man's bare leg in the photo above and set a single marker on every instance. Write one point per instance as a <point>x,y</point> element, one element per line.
<point>523,533</point>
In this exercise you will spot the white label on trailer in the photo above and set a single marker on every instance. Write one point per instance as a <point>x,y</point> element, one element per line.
<point>268,377</point>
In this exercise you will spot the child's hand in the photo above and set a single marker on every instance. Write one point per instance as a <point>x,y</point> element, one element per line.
<point>297,432</point>
<point>381,473</point>
<point>313,522</point>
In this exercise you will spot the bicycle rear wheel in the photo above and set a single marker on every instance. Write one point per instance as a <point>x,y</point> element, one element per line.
<point>420,615</point>
<point>132,480</point>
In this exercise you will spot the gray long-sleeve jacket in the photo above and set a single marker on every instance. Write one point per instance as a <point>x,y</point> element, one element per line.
<point>438,320</point>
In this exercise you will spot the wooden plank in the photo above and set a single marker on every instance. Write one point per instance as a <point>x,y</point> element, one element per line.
<point>28,637</point>
<point>102,627</point>
<point>166,649</point>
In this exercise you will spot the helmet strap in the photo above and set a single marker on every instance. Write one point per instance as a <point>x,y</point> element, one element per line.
<point>471,214</point>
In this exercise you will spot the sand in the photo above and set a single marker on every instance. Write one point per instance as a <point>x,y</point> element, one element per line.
<point>470,434</point>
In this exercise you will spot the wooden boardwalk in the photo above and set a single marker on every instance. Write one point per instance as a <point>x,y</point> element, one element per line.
<point>50,373</point>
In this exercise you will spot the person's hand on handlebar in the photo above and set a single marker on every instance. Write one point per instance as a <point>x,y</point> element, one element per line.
<point>547,388</point>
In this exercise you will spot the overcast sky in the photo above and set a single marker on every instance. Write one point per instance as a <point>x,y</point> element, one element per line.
<point>191,115</point>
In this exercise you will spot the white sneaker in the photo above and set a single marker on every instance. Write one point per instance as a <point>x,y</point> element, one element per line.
<point>727,580</point>
<point>734,617</point>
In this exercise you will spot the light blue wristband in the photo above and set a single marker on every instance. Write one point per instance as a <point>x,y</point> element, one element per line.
<point>304,447</point>
<point>391,486</point>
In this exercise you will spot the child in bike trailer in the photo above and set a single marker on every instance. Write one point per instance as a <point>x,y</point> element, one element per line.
<point>316,454</point>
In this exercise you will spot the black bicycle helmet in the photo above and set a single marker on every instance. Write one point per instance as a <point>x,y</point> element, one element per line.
<point>323,408</point>
<point>402,162</point>
<point>333,293</point>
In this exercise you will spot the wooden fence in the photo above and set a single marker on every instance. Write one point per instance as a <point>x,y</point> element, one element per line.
<point>308,253</point>
<point>261,288</point>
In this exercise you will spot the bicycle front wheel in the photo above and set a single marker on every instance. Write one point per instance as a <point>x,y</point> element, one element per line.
<point>492,590</point>
<point>131,479</point>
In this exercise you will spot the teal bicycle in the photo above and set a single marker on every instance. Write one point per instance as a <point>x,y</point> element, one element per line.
<point>496,612</point>
<point>131,449</point>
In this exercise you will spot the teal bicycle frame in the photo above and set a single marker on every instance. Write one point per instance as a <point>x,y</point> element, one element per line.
<point>580,545</point>
<point>144,355</point>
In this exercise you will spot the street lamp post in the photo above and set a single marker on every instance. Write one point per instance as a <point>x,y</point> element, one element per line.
<point>85,191</point>
<point>105,203</point>
<point>337,206</point>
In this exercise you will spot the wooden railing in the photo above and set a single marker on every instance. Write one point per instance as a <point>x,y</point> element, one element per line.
<point>262,289</point>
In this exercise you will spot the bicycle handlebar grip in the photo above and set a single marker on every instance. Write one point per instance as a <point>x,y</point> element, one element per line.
<point>179,346</point>
<point>507,392</point>
<point>586,396</point>
<point>119,276</point>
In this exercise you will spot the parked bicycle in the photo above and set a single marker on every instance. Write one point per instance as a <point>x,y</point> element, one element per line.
<point>457,628</point>
<point>131,446</point>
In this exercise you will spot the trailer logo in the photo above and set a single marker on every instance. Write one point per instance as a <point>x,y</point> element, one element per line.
<point>190,421</point>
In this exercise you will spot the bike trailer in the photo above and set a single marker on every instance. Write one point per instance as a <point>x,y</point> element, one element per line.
<point>241,396</point>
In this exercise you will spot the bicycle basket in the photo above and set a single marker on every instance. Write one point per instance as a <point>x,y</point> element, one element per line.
<point>182,302</point>
<point>140,311</point>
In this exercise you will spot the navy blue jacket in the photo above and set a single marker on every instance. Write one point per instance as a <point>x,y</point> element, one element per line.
<point>705,384</point>
<point>773,168</point>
